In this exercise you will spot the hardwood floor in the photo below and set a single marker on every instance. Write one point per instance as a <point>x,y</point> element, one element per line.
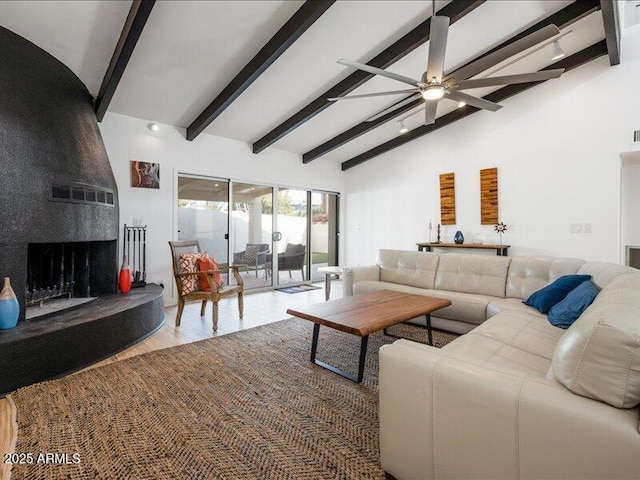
<point>259,309</point>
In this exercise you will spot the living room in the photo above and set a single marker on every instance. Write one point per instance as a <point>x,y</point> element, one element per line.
<point>566,150</point>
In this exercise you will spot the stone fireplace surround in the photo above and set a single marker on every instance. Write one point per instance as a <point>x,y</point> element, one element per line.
<point>57,187</point>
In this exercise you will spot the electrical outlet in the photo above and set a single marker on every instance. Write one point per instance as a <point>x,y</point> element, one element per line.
<point>587,228</point>
<point>575,228</point>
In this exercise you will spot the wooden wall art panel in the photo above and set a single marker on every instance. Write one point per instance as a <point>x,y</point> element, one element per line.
<point>489,196</point>
<point>447,199</point>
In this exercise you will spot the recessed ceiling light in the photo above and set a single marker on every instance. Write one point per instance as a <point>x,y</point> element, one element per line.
<point>216,184</point>
<point>461,104</point>
<point>403,128</point>
<point>153,127</point>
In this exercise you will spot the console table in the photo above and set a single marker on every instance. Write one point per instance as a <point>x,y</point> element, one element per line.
<point>501,250</point>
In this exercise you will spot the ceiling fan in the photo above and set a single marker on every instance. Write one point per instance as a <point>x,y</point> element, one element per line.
<point>435,85</point>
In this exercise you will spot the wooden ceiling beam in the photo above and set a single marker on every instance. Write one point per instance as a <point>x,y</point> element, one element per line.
<point>569,63</point>
<point>416,37</point>
<point>304,17</point>
<point>611,29</point>
<point>562,18</point>
<point>133,26</point>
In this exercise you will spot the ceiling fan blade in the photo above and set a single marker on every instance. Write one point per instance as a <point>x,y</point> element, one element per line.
<point>379,71</point>
<point>498,56</point>
<point>473,101</point>
<point>398,104</point>
<point>377,94</point>
<point>437,48</point>
<point>510,79</point>
<point>430,112</point>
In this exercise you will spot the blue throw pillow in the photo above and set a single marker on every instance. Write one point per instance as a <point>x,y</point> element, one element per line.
<point>543,300</point>
<point>564,313</point>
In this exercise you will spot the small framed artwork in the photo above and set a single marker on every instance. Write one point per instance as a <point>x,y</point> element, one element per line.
<point>145,174</point>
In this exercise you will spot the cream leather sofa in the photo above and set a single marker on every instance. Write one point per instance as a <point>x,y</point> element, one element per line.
<point>515,397</point>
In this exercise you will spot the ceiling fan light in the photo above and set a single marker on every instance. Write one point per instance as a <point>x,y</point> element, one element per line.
<point>558,53</point>
<point>403,128</point>
<point>433,92</point>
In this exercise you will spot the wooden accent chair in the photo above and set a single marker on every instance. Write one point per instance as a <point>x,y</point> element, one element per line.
<point>216,293</point>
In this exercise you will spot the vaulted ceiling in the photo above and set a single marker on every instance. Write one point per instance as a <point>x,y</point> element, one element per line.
<point>261,71</point>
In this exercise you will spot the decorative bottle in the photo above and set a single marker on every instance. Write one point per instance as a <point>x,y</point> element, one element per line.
<point>124,281</point>
<point>9,307</point>
<point>458,238</point>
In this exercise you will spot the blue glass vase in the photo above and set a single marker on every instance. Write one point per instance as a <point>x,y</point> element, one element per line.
<point>9,307</point>
<point>458,238</point>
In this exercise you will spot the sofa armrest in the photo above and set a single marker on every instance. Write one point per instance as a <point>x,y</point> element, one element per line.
<point>351,275</point>
<point>445,416</point>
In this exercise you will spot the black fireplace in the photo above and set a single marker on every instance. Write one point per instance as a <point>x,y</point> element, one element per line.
<point>58,195</point>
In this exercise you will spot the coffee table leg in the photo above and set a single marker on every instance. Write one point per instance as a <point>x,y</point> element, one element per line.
<point>314,342</point>
<point>363,354</point>
<point>429,332</point>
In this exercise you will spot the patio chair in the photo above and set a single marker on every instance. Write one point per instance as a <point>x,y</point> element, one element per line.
<point>198,295</point>
<point>253,256</point>
<point>291,259</point>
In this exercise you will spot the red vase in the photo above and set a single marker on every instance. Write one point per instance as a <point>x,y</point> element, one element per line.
<point>124,281</point>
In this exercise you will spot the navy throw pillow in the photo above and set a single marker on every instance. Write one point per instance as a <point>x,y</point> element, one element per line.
<point>544,299</point>
<point>564,313</point>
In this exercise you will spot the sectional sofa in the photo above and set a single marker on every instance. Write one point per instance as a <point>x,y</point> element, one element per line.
<point>514,397</point>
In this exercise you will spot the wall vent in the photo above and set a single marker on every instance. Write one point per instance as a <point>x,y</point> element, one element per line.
<point>81,193</point>
<point>633,257</point>
<point>636,136</point>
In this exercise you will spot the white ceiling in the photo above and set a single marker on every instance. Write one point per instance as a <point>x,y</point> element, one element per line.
<point>190,50</point>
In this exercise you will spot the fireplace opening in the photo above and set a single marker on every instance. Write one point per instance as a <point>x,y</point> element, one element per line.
<point>65,275</point>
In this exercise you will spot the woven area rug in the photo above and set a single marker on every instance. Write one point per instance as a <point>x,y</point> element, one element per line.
<point>240,406</point>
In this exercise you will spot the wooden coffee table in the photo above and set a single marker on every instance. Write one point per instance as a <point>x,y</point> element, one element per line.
<point>365,314</point>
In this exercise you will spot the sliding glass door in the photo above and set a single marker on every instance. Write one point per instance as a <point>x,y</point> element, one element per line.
<point>277,243</point>
<point>324,232</point>
<point>252,223</point>
<point>292,226</point>
<point>203,214</point>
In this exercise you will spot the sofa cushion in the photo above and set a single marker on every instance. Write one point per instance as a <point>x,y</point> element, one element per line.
<point>519,340</point>
<point>480,274</point>
<point>464,307</point>
<point>567,311</point>
<point>528,274</point>
<point>500,305</point>
<point>545,298</point>
<point>599,355</point>
<point>603,273</point>
<point>416,269</point>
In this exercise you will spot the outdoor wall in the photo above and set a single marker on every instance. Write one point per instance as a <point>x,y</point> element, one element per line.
<point>128,138</point>
<point>557,148</point>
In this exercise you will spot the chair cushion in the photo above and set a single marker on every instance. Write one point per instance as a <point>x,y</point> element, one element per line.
<point>545,298</point>
<point>206,264</point>
<point>189,264</point>
<point>251,251</point>
<point>567,311</point>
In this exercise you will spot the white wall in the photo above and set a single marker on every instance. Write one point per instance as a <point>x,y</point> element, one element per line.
<point>128,138</point>
<point>557,150</point>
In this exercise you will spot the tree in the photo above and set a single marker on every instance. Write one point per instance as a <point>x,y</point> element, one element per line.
<point>285,207</point>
